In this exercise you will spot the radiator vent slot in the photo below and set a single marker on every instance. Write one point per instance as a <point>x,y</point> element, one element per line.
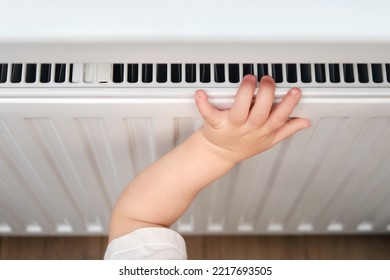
<point>132,73</point>
<point>192,74</point>
<point>205,73</point>
<point>31,73</point>
<point>16,74</point>
<point>45,73</point>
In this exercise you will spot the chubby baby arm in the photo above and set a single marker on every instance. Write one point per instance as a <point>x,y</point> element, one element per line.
<point>161,193</point>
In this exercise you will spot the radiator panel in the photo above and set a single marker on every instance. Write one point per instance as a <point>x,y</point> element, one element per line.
<point>64,161</point>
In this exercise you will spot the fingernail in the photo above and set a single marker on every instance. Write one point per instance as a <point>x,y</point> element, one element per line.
<point>266,77</point>
<point>250,77</point>
<point>199,95</point>
<point>294,91</point>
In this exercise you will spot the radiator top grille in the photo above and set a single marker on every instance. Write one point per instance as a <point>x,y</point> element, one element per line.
<point>191,74</point>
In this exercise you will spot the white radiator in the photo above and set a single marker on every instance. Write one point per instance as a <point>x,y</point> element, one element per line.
<point>91,92</point>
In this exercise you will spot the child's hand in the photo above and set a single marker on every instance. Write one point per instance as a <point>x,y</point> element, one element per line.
<point>246,130</point>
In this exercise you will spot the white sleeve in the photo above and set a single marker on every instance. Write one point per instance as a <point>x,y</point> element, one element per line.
<point>152,243</point>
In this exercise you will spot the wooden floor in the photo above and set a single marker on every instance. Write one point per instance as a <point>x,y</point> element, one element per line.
<point>210,247</point>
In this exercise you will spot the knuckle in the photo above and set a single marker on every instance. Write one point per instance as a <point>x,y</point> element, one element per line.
<point>265,130</point>
<point>262,115</point>
<point>281,119</point>
<point>239,116</point>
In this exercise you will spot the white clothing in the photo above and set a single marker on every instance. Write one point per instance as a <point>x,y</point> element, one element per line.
<point>152,243</point>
